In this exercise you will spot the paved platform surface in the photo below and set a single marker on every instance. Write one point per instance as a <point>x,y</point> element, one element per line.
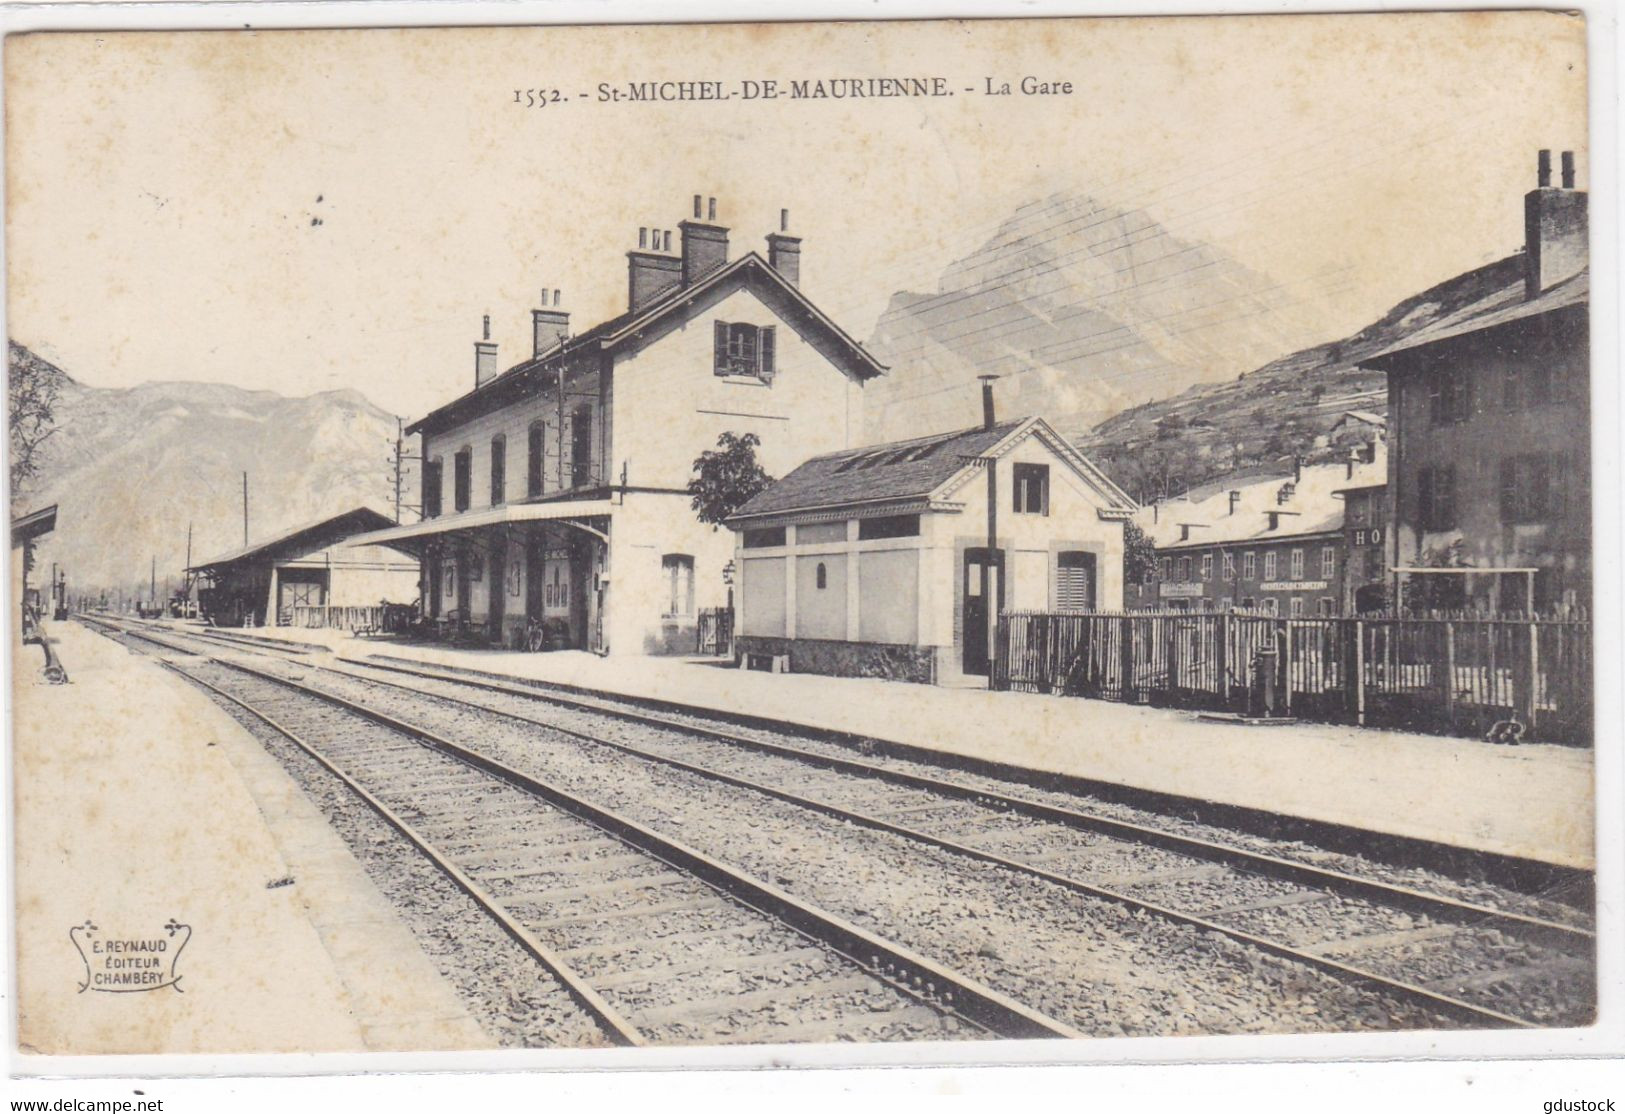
<point>138,800</point>
<point>1529,801</point>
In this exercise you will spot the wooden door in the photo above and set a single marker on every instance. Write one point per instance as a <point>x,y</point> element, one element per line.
<point>981,603</point>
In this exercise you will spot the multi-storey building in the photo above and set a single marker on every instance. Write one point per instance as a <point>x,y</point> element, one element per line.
<point>555,492</point>
<point>1490,417</point>
<point>1278,544</point>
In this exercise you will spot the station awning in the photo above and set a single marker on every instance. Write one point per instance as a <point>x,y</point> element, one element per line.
<point>510,514</point>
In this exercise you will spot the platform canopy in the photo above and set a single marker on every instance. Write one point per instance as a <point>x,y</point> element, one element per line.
<point>569,512</point>
<point>33,525</point>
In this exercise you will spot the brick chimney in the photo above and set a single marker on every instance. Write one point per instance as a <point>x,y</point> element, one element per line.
<point>1555,228</point>
<point>1235,498</point>
<point>550,325</point>
<point>784,251</point>
<point>705,244</point>
<point>652,269</point>
<point>485,356</point>
<point>988,415</point>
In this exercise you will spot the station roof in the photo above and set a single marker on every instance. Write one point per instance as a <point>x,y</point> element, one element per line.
<point>901,473</point>
<point>34,524</point>
<point>1503,306</point>
<point>301,539</point>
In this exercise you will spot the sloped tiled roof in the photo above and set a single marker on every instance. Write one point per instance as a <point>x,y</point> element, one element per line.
<point>1312,508</point>
<point>898,471</point>
<point>1500,307</point>
<point>323,531</point>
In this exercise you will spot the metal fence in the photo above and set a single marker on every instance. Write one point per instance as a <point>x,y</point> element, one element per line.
<point>714,633</point>
<point>1513,678</point>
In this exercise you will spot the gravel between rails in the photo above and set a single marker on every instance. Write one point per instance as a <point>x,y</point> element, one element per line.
<point>1092,963</point>
<point>1245,901</point>
<point>783,988</point>
<point>516,1001</point>
<point>1552,907</point>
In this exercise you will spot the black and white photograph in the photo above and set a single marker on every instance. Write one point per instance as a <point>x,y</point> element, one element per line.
<point>674,543</point>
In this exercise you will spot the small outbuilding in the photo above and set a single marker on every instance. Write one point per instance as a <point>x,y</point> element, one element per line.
<point>307,576</point>
<point>875,561</point>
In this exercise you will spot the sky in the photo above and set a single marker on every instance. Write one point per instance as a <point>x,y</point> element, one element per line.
<point>315,210</point>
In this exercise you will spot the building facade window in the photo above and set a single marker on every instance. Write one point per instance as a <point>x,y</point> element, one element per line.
<point>677,573</point>
<point>1327,607</point>
<point>1249,566</point>
<point>767,537</point>
<point>1165,567</point>
<point>1075,581</point>
<point>1529,488</point>
<point>1031,495</point>
<point>1229,565</point>
<point>1297,564</point>
<point>535,458</point>
<point>1449,397</point>
<point>1436,497</point>
<point>433,477</point>
<point>1328,562</point>
<point>745,350</point>
<point>581,470</point>
<point>462,479</point>
<point>499,470</point>
<point>1295,607</point>
<point>1184,570</point>
<point>1270,565</point>
<point>822,578</point>
<point>1272,606</point>
<point>1207,566</point>
<point>889,526</point>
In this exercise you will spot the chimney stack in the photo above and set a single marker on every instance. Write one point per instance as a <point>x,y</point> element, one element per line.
<point>1235,498</point>
<point>704,245</point>
<point>1555,228</point>
<point>987,400</point>
<point>784,251</point>
<point>485,355</point>
<point>651,270</point>
<point>550,325</point>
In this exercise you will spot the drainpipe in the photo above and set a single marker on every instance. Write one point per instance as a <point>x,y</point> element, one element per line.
<point>988,578</point>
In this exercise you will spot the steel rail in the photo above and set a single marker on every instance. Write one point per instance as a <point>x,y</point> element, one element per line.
<point>1529,929</point>
<point>618,1029</point>
<point>914,974</point>
<point>1444,1004</point>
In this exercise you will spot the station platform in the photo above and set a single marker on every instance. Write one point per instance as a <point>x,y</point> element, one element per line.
<point>139,801</point>
<point>1528,802</point>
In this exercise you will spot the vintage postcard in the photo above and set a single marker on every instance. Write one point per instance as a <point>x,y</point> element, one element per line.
<point>850,538</point>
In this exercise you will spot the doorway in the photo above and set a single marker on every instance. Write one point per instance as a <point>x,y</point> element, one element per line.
<point>979,606</point>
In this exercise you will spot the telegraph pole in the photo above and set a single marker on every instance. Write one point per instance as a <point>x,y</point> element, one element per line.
<point>401,457</point>
<point>245,508</point>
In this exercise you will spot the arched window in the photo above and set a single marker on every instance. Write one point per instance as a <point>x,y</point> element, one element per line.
<point>499,470</point>
<point>823,576</point>
<point>677,573</point>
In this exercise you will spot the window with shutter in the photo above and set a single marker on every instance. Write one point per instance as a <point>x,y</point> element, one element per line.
<point>432,479</point>
<point>765,355</point>
<point>1075,581</point>
<point>499,470</point>
<point>740,349</point>
<point>534,460</point>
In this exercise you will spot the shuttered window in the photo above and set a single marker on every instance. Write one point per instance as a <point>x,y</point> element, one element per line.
<point>431,488</point>
<point>499,470</point>
<point>534,460</point>
<point>1075,581</point>
<point>744,349</point>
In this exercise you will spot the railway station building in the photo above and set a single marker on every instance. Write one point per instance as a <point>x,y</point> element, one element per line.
<point>271,582</point>
<point>555,506</point>
<point>876,561</point>
<point>1490,413</point>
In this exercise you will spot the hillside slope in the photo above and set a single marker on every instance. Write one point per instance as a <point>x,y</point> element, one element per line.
<point>1260,420</point>
<point>1081,309</point>
<point>129,469</point>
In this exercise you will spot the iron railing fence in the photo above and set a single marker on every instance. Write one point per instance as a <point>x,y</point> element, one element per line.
<point>1517,677</point>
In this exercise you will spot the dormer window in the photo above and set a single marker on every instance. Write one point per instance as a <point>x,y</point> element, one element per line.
<point>744,350</point>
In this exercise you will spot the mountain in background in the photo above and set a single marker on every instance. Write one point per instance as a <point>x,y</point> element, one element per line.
<point>1259,421</point>
<point>130,468</point>
<point>1082,310</point>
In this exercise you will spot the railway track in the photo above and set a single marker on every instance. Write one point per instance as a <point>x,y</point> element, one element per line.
<point>659,943</point>
<point>1467,963</point>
